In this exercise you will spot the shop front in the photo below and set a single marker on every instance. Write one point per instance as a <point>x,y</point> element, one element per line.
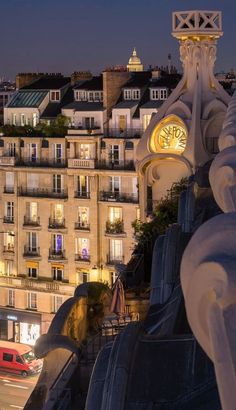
<point>20,326</point>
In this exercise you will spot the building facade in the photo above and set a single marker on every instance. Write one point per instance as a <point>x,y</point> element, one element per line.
<point>68,202</point>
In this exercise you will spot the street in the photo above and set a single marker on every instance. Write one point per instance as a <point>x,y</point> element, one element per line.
<point>15,390</point>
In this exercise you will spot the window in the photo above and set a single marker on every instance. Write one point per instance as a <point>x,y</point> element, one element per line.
<point>82,248</point>
<point>115,213</point>
<point>11,149</point>
<point>9,241</point>
<point>33,152</point>
<point>58,213</point>
<point>116,250</point>
<point>122,122</point>
<point>57,243</point>
<point>55,95</point>
<point>154,94</point>
<point>14,121</point>
<point>32,240</point>
<point>8,266</point>
<point>81,95</point>
<point>114,184</point>
<point>58,272</point>
<point>22,120</point>
<point>83,186</point>
<point>163,94</point>
<point>7,357</point>
<point>136,94</point>
<point>32,181</point>
<point>58,183</point>
<point>85,277</point>
<point>11,297</point>
<point>32,269</point>
<point>9,211</point>
<point>97,96</point>
<point>19,359</point>
<point>32,211</point>
<point>9,181</point>
<point>58,152</point>
<point>90,96</point>
<point>115,154</point>
<point>85,151</point>
<point>56,303</point>
<point>35,119</point>
<point>83,216</point>
<point>127,94</point>
<point>146,120</point>
<point>88,123</point>
<point>32,300</point>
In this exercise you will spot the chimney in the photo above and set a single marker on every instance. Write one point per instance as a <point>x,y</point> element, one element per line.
<point>113,81</point>
<point>77,76</point>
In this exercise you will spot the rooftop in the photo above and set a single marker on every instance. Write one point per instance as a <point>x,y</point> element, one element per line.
<point>95,83</point>
<point>48,83</point>
<point>27,99</point>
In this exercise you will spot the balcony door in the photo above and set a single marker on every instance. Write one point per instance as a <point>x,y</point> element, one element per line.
<point>32,241</point>
<point>32,181</point>
<point>116,250</point>
<point>58,183</point>
<point>115,154</point>
<point>57,243</point>
<point>83,185</point>
<point>82,248</point>
<point>58,153</point>
<point>32,211</point>
<point>115,184</point>
<point>58,213</point>
<point>88,123</point>
<point>32,149</point>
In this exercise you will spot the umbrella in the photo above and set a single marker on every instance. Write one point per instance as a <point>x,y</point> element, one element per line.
<point>118,299</point>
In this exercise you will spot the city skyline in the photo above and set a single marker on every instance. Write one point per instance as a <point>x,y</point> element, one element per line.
<point>92,35</point>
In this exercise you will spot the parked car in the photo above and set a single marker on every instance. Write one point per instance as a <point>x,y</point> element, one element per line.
<point>18,358</point>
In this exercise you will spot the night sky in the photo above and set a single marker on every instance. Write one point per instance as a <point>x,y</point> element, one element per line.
<point>69,35</point>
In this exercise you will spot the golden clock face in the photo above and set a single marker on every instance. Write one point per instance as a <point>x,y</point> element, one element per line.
<point>172,137</point>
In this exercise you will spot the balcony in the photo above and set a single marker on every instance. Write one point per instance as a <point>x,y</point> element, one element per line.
<point>43,192</point>
<point>55,223</point>
<point>118,197</point>
<point>115,228</point>
<point>83,131</point>
<point>82,195</point>
<point>31,252</point>
<point>38,284</point>
<point>8,219</point>
<point>31,221</point>
<point>81,257</point>
<point>9,248</point>
<point>115,259</point>
<point>116,165</point>
<point>120,133</point>
<point>56,254</point>
<point>7,161</point>
<point>8,190</point>
<point>81,163</point>
<point>45,163</point>
<point>82,226</point>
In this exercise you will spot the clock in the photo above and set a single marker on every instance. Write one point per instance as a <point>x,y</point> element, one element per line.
<point>169,135</point>
<point>172,137</point>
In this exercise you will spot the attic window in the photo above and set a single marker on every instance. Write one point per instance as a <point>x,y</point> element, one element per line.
<point>55,96</point>
<point>129,145</point>
<point>80,95</point>
<point>132,94</point>
<point>158,93</point>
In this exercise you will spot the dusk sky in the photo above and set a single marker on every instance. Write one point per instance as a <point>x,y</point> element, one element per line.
<point>69,35</point>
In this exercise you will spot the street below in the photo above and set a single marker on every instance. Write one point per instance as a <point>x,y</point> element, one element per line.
<point>15,390</point>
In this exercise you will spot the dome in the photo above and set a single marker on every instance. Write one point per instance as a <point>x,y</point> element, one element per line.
<point>134,59</point>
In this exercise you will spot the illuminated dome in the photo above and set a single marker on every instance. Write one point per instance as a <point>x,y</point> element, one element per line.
<point>135,63</point>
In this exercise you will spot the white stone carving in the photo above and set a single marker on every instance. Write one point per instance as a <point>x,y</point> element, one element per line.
<point>208,278</point>
<point>196,21</point>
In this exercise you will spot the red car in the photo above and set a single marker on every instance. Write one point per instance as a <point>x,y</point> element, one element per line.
<point>18,358</point>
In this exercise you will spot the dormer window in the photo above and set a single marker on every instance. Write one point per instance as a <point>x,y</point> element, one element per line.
<point>90,96</point>
<point>159,93</point>
<point>55,96</point>
<point>81,95</point>
<point>133,94</point>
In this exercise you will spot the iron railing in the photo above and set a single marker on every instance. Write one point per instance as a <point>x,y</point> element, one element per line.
<point>41,162</point>
<point>57,254</point>
<point>43,192</point>
<point>8,219</point>
<point>123,133</point>
<point>8,189</point>
<point>114,260</point>
<point>82,226</point>
<point>31,251</point>
<point>55,223</point>
<point>116,165</point>
<point>118,197</point>
<point>82,195</point>
<point>31,221</point>
<point>82,257</point>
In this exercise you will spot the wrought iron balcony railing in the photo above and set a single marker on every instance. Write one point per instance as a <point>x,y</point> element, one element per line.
<point>31,221</point>
<point>118,197</point>
<point>9,248</point>
<point>8,189</point>
<point>55,223</point>
<point>8,219</point>
<point>31,251</point>
<point>43,192</point>
<point>57,254</point>
<point>115,259</point>
<point>82,257</point>
<point>123,133</point>
<point>82,195</point>
<point>41,162</point>
<point>82,226</point>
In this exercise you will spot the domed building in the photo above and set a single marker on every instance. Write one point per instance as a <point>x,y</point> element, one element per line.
<point>135,63</point>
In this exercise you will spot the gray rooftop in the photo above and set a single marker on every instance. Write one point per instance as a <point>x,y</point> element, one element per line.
<point>27,99</point>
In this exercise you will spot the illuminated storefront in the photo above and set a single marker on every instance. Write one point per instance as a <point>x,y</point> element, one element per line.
<point>20,326</point>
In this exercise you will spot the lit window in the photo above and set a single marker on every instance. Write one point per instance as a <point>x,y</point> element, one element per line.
<point>116,250</point>
<point>90,96</point>
<point>22,120</point>
<point>14,121</point>
<point>32,300</point>
<point>32,269</point>
<point>114,184</point>
<point>9,241</point>
<point>83,217</point>
<point>115,213</point>
<point>85,277</point>
<point>82,248</point>
<point>163,94</point>
<point>146,120</point>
